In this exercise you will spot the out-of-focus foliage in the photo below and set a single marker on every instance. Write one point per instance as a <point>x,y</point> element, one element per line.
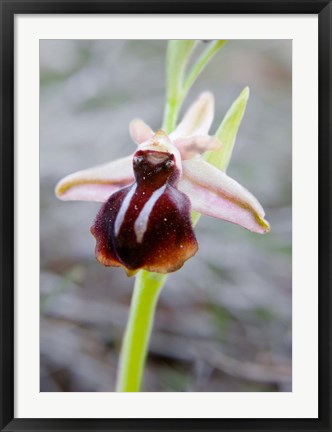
<point>224,320</point>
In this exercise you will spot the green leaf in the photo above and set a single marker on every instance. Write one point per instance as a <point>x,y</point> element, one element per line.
<point>178,53</point>
<point>227,132</point>
<point>179,81</point>
<point>201,63</point>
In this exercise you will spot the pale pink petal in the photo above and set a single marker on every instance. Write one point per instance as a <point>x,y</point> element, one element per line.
<point>198,119</point>
<point>98,183</point>
<point>194,145</point>
<point>213,193</point>
<point>140,131</point>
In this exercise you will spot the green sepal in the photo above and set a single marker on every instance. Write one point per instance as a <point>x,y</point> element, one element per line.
<point>227,132</point>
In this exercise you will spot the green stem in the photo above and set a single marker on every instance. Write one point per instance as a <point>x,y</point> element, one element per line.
<point>135,344</point>
<point>172,109</point>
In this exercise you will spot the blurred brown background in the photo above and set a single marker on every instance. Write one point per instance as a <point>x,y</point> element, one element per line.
<point>223,321</point>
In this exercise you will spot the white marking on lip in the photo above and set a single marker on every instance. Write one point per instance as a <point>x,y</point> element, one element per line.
<point>123,210</point>
<point>156,158</point>
<point>141,222</point>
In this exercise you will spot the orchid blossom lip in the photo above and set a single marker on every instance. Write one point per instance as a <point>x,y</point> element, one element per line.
<point>145,219</point>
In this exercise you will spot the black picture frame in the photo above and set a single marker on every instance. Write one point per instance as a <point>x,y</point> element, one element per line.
<point>8,9</point>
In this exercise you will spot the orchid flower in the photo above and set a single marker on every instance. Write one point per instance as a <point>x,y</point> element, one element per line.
<point>145,219</point>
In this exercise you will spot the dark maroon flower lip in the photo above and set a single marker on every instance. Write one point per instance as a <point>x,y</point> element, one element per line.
<point>148,224</point>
